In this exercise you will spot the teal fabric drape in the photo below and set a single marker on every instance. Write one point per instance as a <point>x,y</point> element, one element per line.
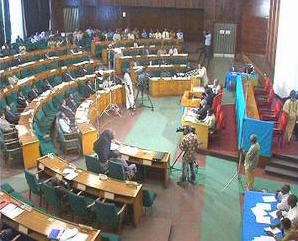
<point>2,38</point>
<point>7,20</point>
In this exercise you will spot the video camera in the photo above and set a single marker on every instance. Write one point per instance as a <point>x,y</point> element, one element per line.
<point>186,129</point>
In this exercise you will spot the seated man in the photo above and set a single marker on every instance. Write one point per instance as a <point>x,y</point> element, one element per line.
<point>282,196</point>
<point>210,120</point>
<point>21,100</point>
<point>47,85</point>
<point>130,170</point>
<point>216,87</point>
<point>33,93</point>
<point>208,96</point>
<point>173,51</point>
<point>66,110</point>
<point>289,231</point>
<point>89,89</point>
<point>202,111</point>
<point>5,126</point>
<point>12,80</point>
<point>11,116</point>
<point>65,124</point>
<point>292,213</point>
<point>7,234</point>
<point>71,103</point>
<point>102,147</point>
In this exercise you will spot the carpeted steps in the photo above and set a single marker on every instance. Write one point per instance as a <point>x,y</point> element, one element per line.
<point>283,166</point>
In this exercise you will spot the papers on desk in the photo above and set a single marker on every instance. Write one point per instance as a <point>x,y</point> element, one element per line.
<point>189,118</point>
<point>199,89</point>
<point>67,234</point>
<point>269,199</point>
<point>11,211</point>
<point>114,146</point>
<point>260,211</point>
<point>274,230</point>
<point>264,238</point>
<point>71,173</point>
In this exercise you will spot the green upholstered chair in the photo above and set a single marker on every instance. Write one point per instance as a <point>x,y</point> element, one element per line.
<point>92,163</point>
<point>51,196</point>
<point>12,151</point>
<point>116,170</point>
<point>34,185</point>
<point>109,237</point>
<point>12,98</point>
<point>79,205</point>
<point>69,142</point>
<point>148,198</point>
<point>108,214</point>
<point>6,187</point>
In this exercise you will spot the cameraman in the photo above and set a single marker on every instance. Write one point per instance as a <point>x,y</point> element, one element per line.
<point>189,145</point>
<point>143,80</point>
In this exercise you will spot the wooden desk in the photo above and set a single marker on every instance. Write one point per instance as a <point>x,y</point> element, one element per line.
<point>92,109</point>
<point>130,43</point>
<point>90,183</point>
<point>147,158</point>
<point>132,51</point>
<point>45,75</point>
<point>16,70</point>
<point>27,55</point>
<point>27,137</point>
<point>38,225</point>
<point>151,57</point>
<point>169,86</point>
<point>152,68</point>
<point>201,129</point>
<point>251,104</point>
<point>191,99</point>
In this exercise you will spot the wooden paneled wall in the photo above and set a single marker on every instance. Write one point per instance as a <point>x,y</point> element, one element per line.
<point>272,32</point>
<point>254,26</point>
<point>251,17</point>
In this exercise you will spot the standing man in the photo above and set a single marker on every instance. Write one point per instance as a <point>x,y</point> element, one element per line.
<point>130,99</point>
<point>291,109</point>
<point>251,161</point>
<point>189,145</point>
<point>207,47</point>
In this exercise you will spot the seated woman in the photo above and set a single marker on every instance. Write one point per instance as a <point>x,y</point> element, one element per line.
<point>130,170</point>
<point>102,147</point>
<point>210,120</point>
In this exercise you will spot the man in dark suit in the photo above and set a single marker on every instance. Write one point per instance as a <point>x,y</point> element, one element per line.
<point>67,111</point>
<point>202,111</point>
<point>47,86</point>
<point>33,93</point>
<point>71,103</point>
<point>89,90</point>
<point>21,100</point>
<point>11,116</point>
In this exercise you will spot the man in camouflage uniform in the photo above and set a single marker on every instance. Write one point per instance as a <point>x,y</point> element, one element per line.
<point>189,145</point>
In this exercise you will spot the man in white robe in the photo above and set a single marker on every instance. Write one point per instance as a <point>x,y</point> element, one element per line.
<point>130,100</point>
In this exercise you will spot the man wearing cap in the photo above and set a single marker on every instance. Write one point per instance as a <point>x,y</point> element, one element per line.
<point>291,109</point>
<point>251,161</point>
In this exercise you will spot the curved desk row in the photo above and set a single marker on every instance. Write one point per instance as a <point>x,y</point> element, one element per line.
<point>151,59</point>
<point>27,137</point>
<point>20,70</point>
<point>97,47</point>
<point>38,225</point>
<point>28,81</point>
<point>140,50</point>
<point>91,109</point>
<point>111,189</point>
<point>14,60</point>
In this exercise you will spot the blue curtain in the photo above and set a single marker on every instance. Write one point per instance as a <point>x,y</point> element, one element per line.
<point>240,109</point>
<point>7,21</point>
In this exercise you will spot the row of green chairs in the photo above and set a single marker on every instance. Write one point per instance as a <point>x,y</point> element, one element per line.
<point>116,171</point>
<point>75,201</point>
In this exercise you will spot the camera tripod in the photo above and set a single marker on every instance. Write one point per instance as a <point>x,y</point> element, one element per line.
<point>142,99</point>
<point>172,166</point>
